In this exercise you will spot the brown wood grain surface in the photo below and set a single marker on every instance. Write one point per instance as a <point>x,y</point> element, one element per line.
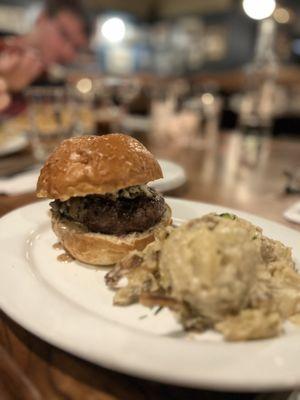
<point>32,369</point>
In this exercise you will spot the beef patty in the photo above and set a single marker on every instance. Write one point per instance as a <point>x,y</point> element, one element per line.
<point>113,215</point>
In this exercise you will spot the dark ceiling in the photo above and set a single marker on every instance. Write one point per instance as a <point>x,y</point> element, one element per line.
<point>160,8</point>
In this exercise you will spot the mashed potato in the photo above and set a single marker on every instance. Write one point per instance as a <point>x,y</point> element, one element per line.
<point>215,272</point>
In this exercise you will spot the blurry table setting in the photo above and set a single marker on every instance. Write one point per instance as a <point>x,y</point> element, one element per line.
<point>233,173</point>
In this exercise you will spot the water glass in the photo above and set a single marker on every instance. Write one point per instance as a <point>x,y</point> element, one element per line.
<point>51,115</point>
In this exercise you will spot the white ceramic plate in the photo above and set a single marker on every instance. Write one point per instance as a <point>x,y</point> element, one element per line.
<point>13,145</point>
<point>293,213</point>
<point>69,306</point>
<point>20,183</point>
<point>174,176</point>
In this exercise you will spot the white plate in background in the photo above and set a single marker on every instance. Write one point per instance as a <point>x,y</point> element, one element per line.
<point>13,144</point>
<point>68,305</point>
<point>174,176</point>
<point>293,213</point>
<point>23,182</point>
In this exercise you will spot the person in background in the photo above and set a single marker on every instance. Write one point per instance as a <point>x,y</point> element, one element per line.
<point>19,67</point>
<point>59,32</point>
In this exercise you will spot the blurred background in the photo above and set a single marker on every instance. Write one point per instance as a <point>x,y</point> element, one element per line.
<point>183,70</point>
<point>211,87</point>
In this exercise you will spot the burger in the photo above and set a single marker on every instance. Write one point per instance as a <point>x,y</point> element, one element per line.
<point>102,207</point>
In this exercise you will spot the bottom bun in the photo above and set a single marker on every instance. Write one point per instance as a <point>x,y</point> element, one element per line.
<point>101,249</point>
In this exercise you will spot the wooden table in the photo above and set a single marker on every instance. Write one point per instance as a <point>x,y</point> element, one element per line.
<point>226,175</point>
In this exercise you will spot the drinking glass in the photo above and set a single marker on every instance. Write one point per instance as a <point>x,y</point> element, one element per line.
<point>51,115</point>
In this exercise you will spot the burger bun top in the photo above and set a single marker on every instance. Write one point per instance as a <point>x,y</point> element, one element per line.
<point>96,165</point>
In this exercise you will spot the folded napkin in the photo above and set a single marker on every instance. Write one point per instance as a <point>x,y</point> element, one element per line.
<point>293,213</point>
<point>20,183</point>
